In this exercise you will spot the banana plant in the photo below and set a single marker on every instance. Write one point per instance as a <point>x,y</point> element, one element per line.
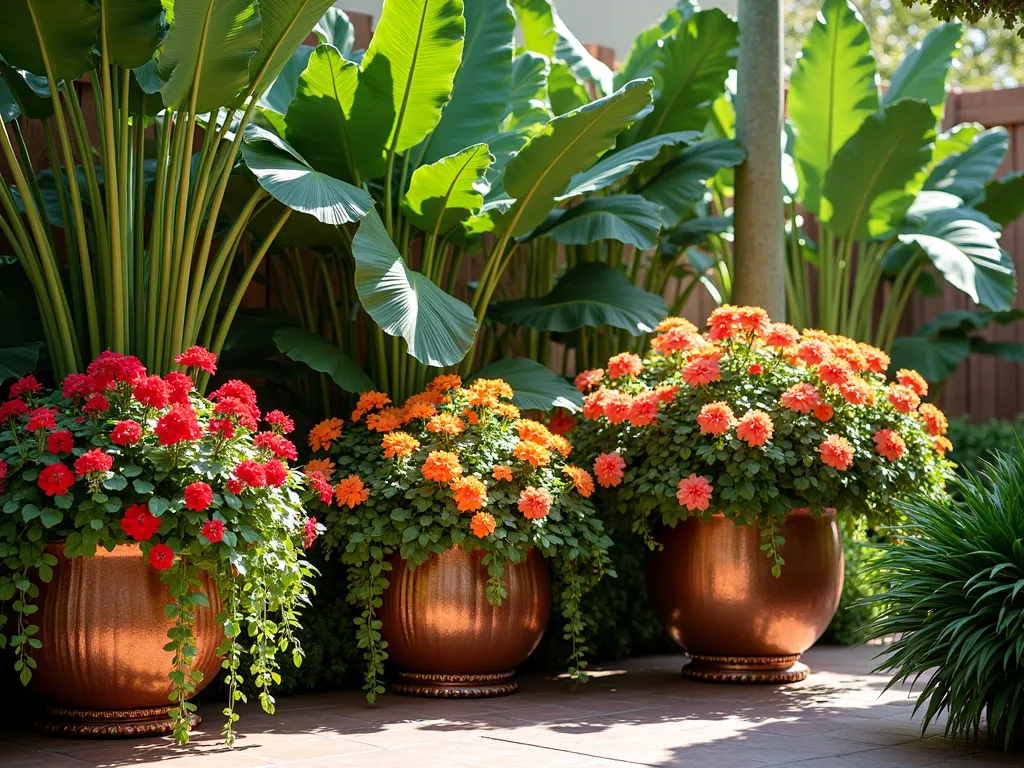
<point>895,204</point>
<point>599,266</point>
<point>440,124</point>
<point>175,85</point>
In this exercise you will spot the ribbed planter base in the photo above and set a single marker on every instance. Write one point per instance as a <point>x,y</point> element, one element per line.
<point>446,686</point>
<point>745,669</point>
<point>108,723</point>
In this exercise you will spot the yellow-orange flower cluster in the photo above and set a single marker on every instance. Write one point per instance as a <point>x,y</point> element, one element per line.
<point>400,444</point>
<point>369,401</point>
<point>581,480</point>
<point>534,454</point>
<point>446,424</point>
<point>323,435</point>
<point>470,493</point>
<point>441,467</point>
<point>351,492</point>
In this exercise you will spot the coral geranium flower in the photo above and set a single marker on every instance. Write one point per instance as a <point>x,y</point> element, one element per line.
<point>482,524</point>
<point>624,364</point>
<point>811,351</point>
<point>385,420</point>
<point>445,382</point>
<point>889,444</point>
<point>673,322</point>
<point>532,431</point>
<point>325,467</point>
<point>507,410</point>
<point>588,379</point>
<point>532,453</point>
<point>942,445</point>
<point>715,418</point>
<point>694,493</point>
<point>674,340</point>
<point>823,411</point>
<point>441,466</point>
<point>756,428</point>
<point>534,503</point>
<point>351,492</point>
<point>912,379</point>
<point>323,434</point>
<point>617,406</point>
<point>934,418</point>
<point>470,493</point>
<point>801,397</point>
<point>369,401</point>
<point>561,422</point>
<point>608,467</point>
<point>560,445</point>
<point>856,391</point>
<point>500,472</point>
<point>781,336</point>
<point>419,410</point>
<point>836,451</point>
<point>834,371</point>
<point>701,371</point>
<point>903,398</point>
<point>581,480</point>
<point>400,444</point>
<point>644,409</point>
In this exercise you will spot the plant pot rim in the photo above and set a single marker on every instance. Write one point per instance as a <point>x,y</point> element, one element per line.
<point>827,512</point>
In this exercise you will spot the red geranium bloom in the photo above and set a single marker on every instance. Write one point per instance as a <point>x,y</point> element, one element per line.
<point>112,367</point>
<point>59,442</point>
<point>139,523</point>
<point>321,485</point>
<point>756,369</point>
<point>213,530</point>
<point>198,496</point>
<point>3,474</point>
<point>283,424</point>
<point>153,392</point>
<point>12,409</point>
<point>97,404</point>
<point>561,422</point>
<point>55,480</point>
<point>823,411</point>
<point>608,467</point>
<point>223,427</point>
<point>93,461</point>
<point>126,432</point>
<point>198,357</point>
<point>246,414</point>
<point>161,557</point>
<point>177,425</point>
<point>588,379</point>
<point>279,445</point>
<point>77,385</point>
<point>275,472</point>
<point>251,473</point>
<point>25,386</point>
<point>235,486</point>
<point>694,493</point>
<point>179,385</point>
<point>41,418</point>
<point>309,532</point>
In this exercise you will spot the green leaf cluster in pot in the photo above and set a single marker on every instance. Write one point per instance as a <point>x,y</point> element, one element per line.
<point>119,456</point>
<point>454,467</point>
<point>891,200</point>
<point>435,144</point>
<point>173,85</point>
<point>951,593</point>
<point>629,233</point>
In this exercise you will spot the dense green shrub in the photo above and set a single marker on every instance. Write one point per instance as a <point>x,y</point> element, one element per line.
<point>952,593</point>
<point>975,443</point>
<point>848,625</point>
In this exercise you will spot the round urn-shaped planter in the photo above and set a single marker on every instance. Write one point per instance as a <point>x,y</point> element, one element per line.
<point>102,668</point>
<point>714,593</point>
<point>446,640</point>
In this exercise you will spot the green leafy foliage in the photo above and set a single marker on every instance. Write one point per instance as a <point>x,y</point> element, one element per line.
<point>535,386</point>
<point>304,346</point>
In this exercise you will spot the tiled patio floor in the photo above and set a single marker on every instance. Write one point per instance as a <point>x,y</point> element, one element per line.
<point>639,713</point>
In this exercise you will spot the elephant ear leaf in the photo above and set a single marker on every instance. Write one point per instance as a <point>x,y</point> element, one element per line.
<point>438,328</point>
<point>1004,199</point>
<point>305,346</point>
<point>628,219</point>
<point>335,28</point>
<point>922,73</point>
<point>446,193</point>
<point>965,173</point>
<point>682,181</point>
<point>17,361</point>
<point>535,386</point>
<point>58,36</point>
<point>544,32</point>
<point>591,294</point>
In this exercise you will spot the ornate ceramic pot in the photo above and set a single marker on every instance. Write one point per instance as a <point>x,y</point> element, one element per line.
<point>446,640</point>
<point>713,591</point>
<point>102,670</point>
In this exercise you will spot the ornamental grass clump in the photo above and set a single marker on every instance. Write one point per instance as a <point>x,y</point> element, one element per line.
<point>951,592</point>
<point>454,466</point>
<point>120,456</point>
<point>753,420</point>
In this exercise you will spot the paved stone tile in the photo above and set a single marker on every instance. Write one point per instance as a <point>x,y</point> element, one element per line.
<point>638,713</point>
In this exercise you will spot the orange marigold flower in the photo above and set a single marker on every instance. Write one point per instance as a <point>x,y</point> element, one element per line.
<point>444,382</point>
<point>323,434</point>
<point>625,364</point>
<point>756,428</point>
<point>877,360</point>
<point>399,444</point>
<point>561,422</point>
<point>834,370</point>
<point>856,391</point>
<point>701,371</point>
<point>534,503</point>
<point>325,467</point>
<point>694,493</point>
<point>470,493</point>
<point>823,412</point>
<point>671,323</point>
<point>593,404</point>
<point>532,431</point>
<point>419,410</point>
<point>903,398</point>
<point>912,379</point>
<point>644,409</point>
<point>507,410</point>
<point>560,445</point>
<point>781,336</point>
<point>836,451</point>
<point>942,444</point>
<point>617,406</point>
<point>441,466</point>
<point>501,472</point>
<point>811,351</point>
<point>889,444</point>
<point>715,418</point>
<point>674,340</point>
<point>385,420</point>
<point>581,480</point>
<point>369,401</point>
<point>534,454</point>
<point>608,467</point>
<point>934,418</point>
<point>588,379</point>
<point>489,392</point>
<point>472,417</point>
<point>801,397</point>
<point>482,524</point>
<point>351,492</point>
<point>446,424</point>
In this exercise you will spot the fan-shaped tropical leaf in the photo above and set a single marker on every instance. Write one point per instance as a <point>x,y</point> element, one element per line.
<point>566,92</point>
<point>965,173</point>
<point>691,74</point>
<point>591,294</point>
<point>207,52</point>
<point>877,173</point>
<point>968,255</point>
<point>318,353</point>
<point>566,146</point>
<point>535,386</point>
<point>438,328</point>
<point>1004,199</point>
<point>616,165</point>
<point>286,175</point>
<point>285,25</point>
<point>922,73</point>
<point>411,64</point>
<point>335,28</point>
<point>956,139</point>
<point>935,359</point>
<point>626,218</point>
<point>483,84</point>
<point>682,182</point>
<point>831,92</point>
<point>444,194</point>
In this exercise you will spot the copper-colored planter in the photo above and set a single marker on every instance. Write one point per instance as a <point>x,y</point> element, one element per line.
<point>713,591</point>
<point>102,669</point>
<point>446,640</point>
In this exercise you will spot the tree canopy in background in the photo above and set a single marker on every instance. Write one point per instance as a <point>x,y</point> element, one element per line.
<point>992,55</point>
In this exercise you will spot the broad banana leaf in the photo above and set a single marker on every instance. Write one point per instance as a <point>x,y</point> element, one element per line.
<point>682,181</point>
<point>628,219</point>
<point>305,346</point>
<point>286,25</point>
<point>922,73</point>
<point>444,194</point>
<point>336,29</point>
<point>965,173</point>
<point>1004,199</point>
<point>616,165</point>
<point>645,54</point>
<point>54,35</point>
<point>528,104</point>
<point>544,32</point>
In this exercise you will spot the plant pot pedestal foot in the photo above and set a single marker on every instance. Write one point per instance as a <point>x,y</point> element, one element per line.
<point>745,669</point>
<point>450,686</point>
<point>108,723</point>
